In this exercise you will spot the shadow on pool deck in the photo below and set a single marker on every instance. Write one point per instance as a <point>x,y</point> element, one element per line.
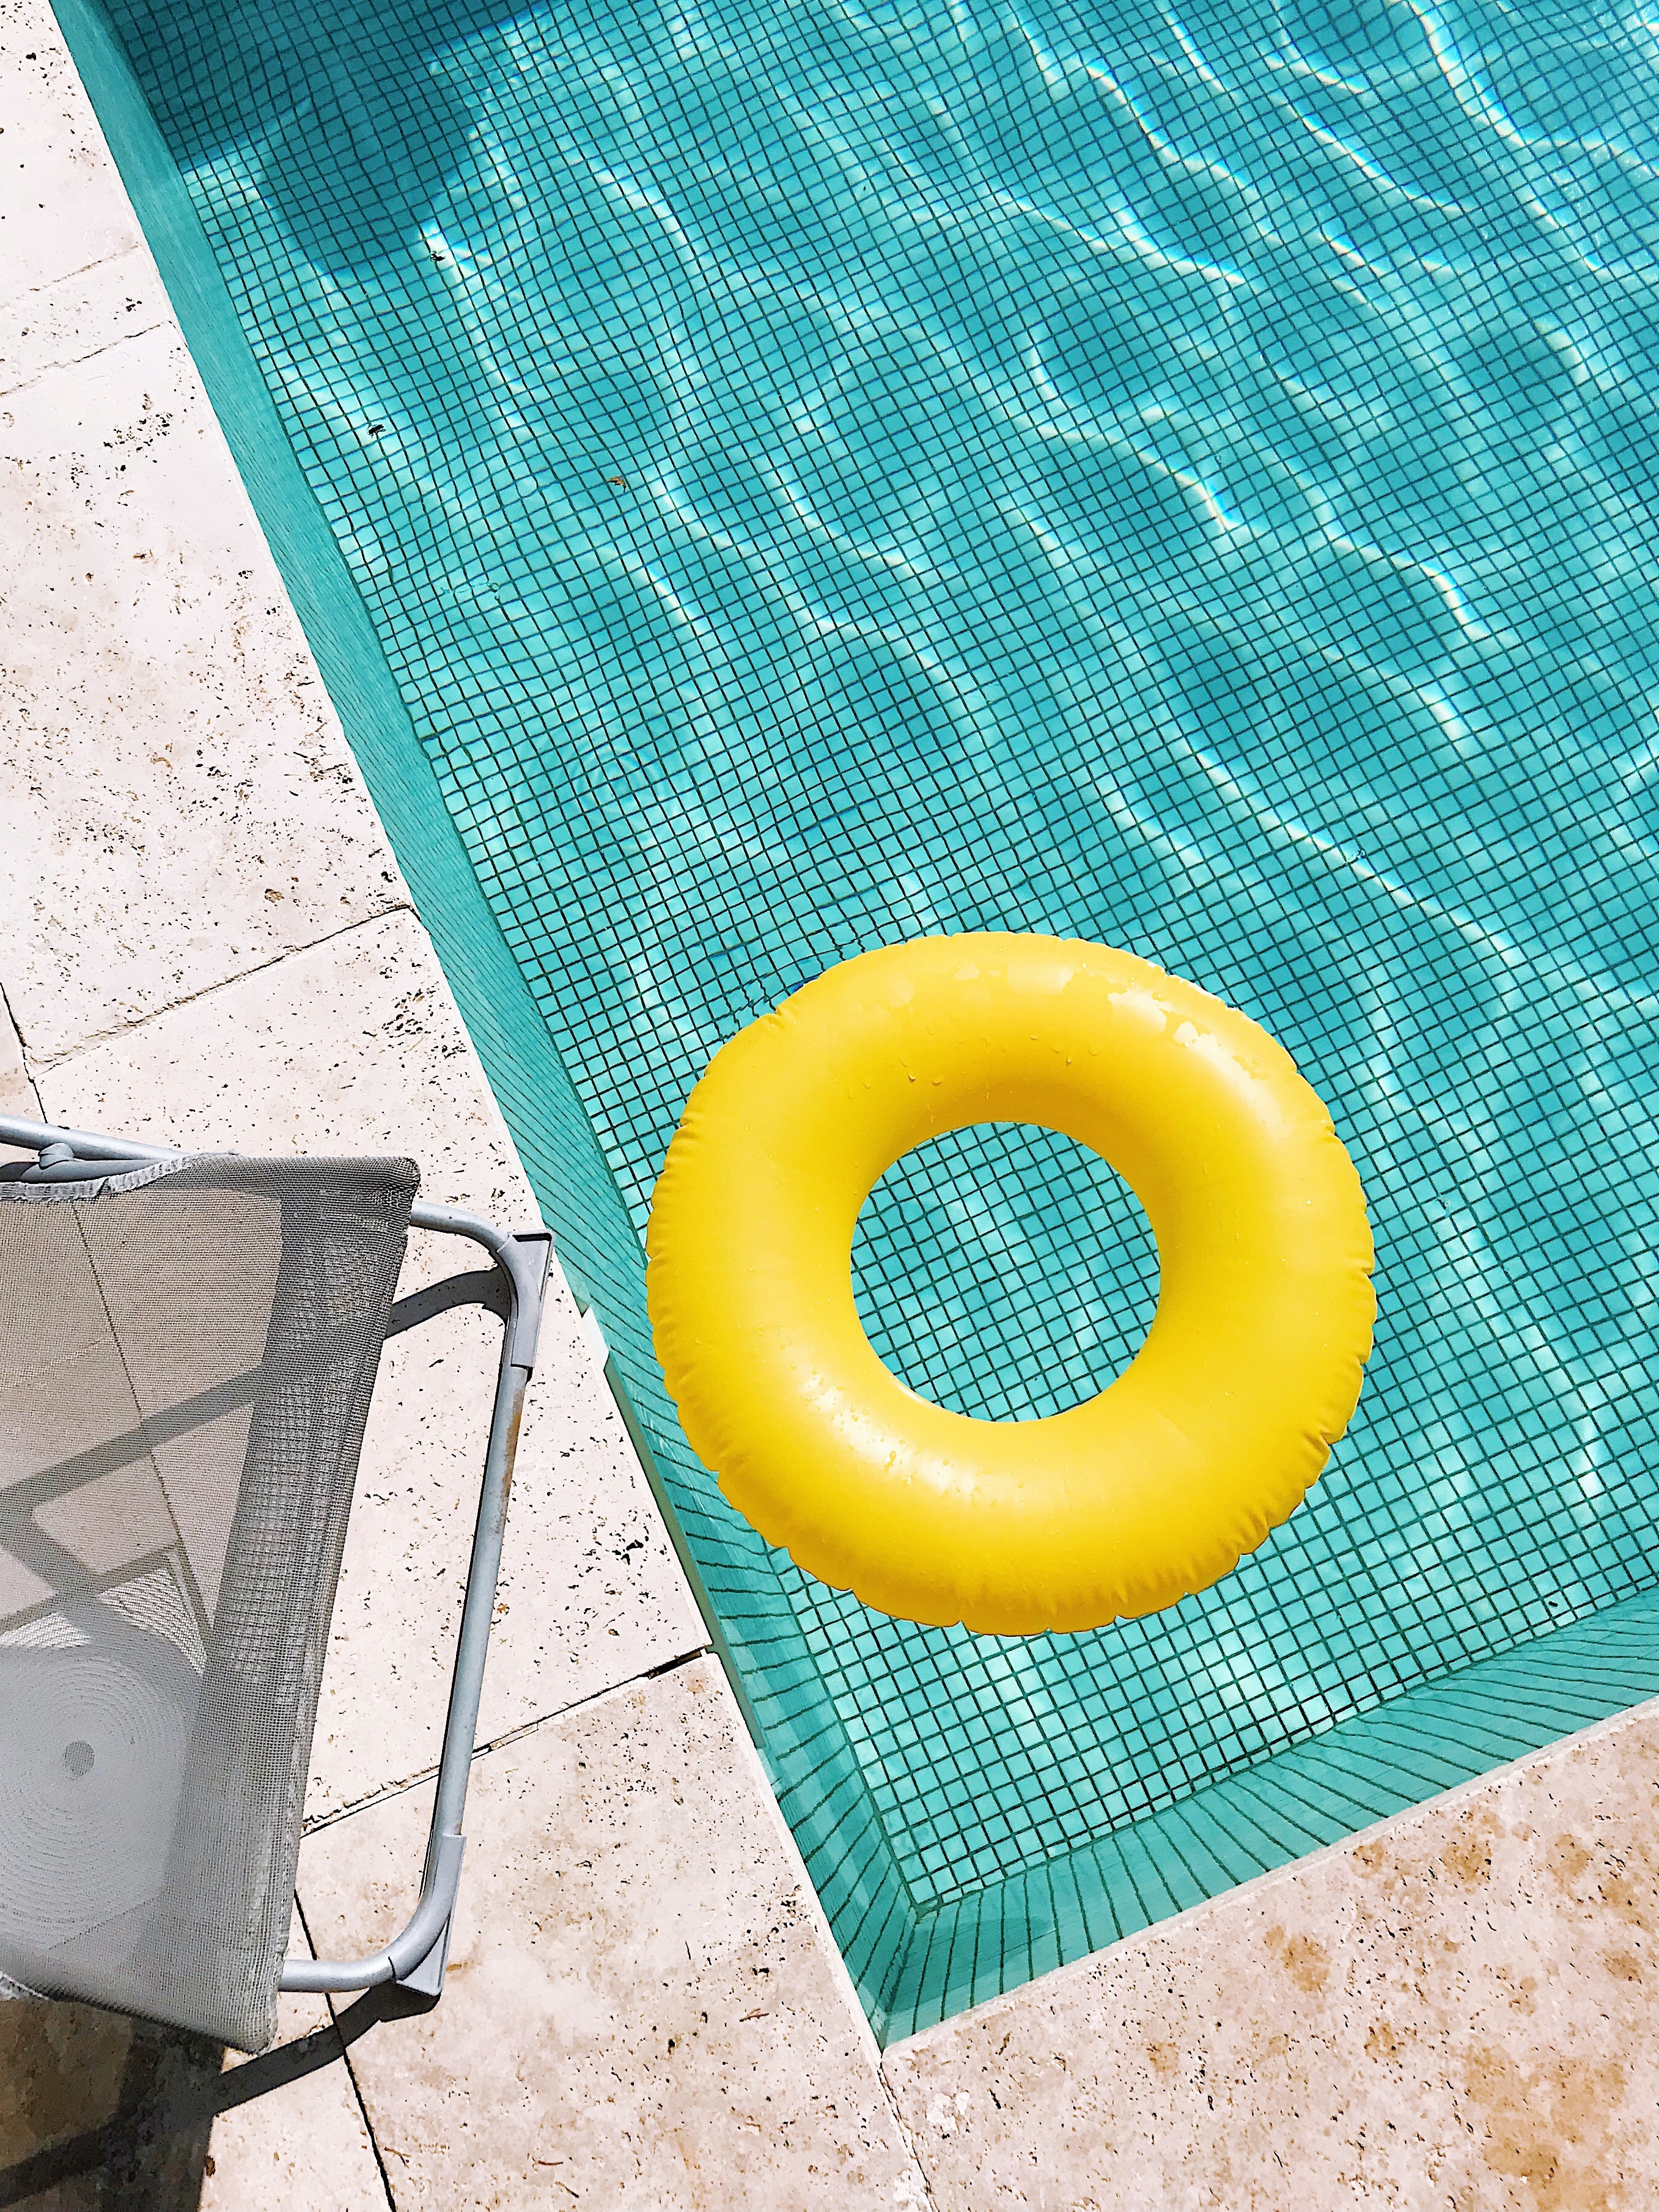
<point>101,2111</point>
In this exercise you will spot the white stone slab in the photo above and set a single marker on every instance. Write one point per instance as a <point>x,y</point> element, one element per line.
<point>644,2010</point>
<point>185,808</point>
<point>17,1096</point>
<point>306,2144</point>
<point>1450,2012</point>
<point>356,1045</point>
<point>351,1045</point>
<point>79,315</point>
<point>63,205</point>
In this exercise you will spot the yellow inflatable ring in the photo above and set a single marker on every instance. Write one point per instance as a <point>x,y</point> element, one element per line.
<point>1153,1488</point>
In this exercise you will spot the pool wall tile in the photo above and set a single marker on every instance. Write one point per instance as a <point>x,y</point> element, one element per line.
<point>1361,1772</point>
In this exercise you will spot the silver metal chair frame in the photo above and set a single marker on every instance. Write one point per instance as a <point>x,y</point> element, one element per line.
<point>415,1958</point>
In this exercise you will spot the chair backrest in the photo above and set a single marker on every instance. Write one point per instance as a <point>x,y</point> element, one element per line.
<point>187,1352</point>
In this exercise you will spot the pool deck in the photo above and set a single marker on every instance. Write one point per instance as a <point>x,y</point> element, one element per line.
<point>204,936</point>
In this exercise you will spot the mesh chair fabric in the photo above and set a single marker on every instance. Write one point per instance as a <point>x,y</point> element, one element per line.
<point>186,1359</point>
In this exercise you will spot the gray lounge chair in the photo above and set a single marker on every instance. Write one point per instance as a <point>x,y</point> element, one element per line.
<point>188,1345</point>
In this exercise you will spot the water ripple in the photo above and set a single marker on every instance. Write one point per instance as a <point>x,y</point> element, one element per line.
<point>848,471</point>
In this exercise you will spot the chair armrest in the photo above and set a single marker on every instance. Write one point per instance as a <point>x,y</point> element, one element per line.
<point>415,1958</point>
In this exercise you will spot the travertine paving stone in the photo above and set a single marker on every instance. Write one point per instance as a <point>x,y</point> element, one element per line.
<point>78,315</point>
<point>63,205</point>
<point>351,1045</point>
<point>643,2013</point>
<point>304,2145</point>
<point>304,2148</point>
<point>61,2070</point>
<point>1452,2013</point>
<point>183,807</point>
<point>64,2069</point>
<point>355,1045</point>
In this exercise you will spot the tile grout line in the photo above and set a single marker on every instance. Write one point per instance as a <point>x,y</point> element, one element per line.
<point>140,244</point>
<point>381,2166</point>
<point>396,1789</point>
<point>404,905</point>
<point>80,360</point>
<point>7,1015</point>
<point>351,2071</point>
<point>928,2199</point>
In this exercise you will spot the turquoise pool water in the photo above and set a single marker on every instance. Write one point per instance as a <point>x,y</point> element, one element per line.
<point>819,474</point>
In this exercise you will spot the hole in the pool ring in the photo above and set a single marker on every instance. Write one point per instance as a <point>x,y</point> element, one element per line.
<point>79,1758</point>
<point>1005,1272</point>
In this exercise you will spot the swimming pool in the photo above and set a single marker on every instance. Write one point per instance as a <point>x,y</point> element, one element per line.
<point>817,475</point>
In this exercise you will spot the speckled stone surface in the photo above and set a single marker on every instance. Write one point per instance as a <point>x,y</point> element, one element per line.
<point>644,2013</point>
<point>187,810</point>
<point>304,2148</point>
<point>76,316</point>
<point>1456,2012</point>
<point>62,207</point>
<point>304,2145</point>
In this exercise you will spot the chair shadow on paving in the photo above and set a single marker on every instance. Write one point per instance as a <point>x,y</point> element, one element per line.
<point>101,2114</point>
